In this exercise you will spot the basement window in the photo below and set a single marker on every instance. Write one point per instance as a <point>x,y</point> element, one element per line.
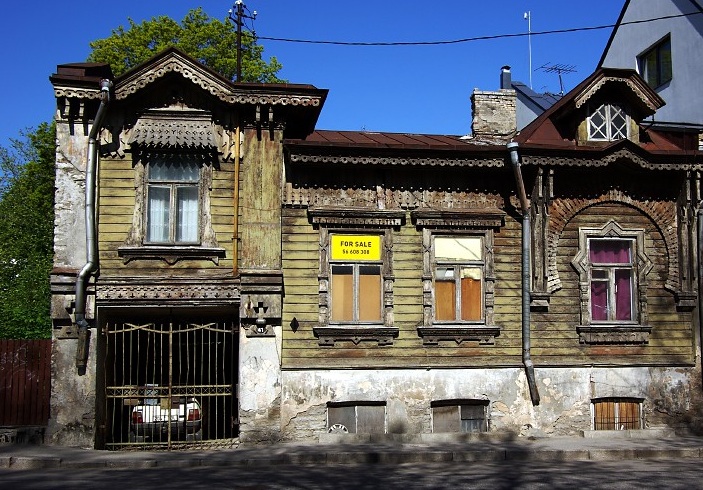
<point>354,417</point>
<point>459,416</point>
<point>617,413</point>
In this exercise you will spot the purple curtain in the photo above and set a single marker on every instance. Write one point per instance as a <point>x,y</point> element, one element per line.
<point>623,295</point>
<point>599,300</point>
<point>611,252</point>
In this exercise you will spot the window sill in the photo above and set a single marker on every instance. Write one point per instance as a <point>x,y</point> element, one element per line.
<point>170,253</point>
<point>329,334</point>
<point>432,335</point>
<point>632,334</point>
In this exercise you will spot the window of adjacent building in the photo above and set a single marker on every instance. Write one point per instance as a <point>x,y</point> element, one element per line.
<point>617,414</point>
<point>612,287</point>
<point>356,282</point>
<point>655,63</point>
<point>608,122</point>
<point>356,417</point>
<point>172,214</point>
<point>459,416</point>
<point>458,278</point>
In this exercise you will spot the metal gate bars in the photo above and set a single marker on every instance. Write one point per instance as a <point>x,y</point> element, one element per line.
<point>170,385</point>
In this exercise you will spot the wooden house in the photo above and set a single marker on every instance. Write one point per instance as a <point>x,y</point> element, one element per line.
<point>306,285</point>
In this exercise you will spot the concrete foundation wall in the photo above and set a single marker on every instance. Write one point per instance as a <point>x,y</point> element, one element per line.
<point>565,407</point>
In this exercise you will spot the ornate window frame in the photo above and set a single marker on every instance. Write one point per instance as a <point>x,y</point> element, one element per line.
<point>608,129</point>
<point>459,223</point>
<point>356,221</point>
<point>136,246</point>
<point>616,332</point>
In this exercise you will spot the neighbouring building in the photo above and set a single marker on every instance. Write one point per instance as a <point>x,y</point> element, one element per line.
<point>256,279</point>
<point>662,40</point>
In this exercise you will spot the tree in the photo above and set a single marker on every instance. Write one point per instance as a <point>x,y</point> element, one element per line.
<point>208,40</point>
<point>26,233</point>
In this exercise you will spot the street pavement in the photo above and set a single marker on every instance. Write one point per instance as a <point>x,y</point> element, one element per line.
<point>548,449</point>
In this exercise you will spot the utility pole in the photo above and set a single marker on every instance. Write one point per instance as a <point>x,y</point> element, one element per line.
<point>237,11</point>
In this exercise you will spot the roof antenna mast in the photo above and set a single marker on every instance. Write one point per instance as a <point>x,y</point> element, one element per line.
<point>558,68</point>
<point>528,17</point>
<point>237,15</point>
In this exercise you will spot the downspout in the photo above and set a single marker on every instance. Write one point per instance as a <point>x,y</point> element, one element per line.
<point>90,230</point>
<point>526,356</point>
<point>699,225</point>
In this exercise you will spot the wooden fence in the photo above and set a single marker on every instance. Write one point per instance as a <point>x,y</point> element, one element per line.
<point>25,382</point>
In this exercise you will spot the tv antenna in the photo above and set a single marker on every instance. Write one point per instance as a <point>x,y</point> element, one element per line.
<point>559,69</point>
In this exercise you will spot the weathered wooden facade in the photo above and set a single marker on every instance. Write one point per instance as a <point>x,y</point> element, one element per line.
<point>299,283</point>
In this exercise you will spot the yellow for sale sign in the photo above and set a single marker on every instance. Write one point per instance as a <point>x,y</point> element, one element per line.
<point>356,247</point>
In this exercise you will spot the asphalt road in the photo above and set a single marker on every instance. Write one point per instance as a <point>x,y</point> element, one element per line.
<point>631,474</point>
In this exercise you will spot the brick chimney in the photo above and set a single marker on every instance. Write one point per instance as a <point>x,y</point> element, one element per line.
<point>494,113</point>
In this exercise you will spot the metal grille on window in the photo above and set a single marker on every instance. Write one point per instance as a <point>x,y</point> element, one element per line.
<point>617,414</point>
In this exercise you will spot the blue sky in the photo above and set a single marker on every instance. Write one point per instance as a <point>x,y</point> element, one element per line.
<point>416,89</point>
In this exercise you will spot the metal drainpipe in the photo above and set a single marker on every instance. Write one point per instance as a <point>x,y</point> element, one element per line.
<point>90,230</point>
<point>699,224</point>
<point>526,356</point>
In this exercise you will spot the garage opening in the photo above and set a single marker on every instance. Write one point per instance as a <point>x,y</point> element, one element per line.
<point>170,383</point>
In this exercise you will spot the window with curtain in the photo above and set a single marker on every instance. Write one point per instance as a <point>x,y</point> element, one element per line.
<point>172,215</point>
<point>458,279</point>
<point>611,280</point>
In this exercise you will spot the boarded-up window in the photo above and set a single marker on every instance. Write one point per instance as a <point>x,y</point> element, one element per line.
<point>617,414</point>
<point>459,416</point>
<point>458,279</point>
<point>356,417</point>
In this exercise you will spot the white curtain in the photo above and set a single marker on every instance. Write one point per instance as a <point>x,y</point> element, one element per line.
<point>187,224</point>
<point>158,214</point>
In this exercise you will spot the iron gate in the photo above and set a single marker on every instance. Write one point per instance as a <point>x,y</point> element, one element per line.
<point>170,384</point>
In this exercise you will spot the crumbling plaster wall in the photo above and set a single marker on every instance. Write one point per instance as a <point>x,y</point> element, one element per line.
<point>565,407</point>
<point>72,420</point>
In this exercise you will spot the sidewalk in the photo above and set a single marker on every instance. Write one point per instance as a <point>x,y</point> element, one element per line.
<point>25,457</point>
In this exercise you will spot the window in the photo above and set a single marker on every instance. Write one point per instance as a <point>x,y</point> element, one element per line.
<point>611,279</point>
<point>172,201</point>
<point>458,278</point>
<point>612,267</point>
<point>617,414</point>
<point>355,280</point>
<point>608,122</point>
<point>356,417</point>
<point>655,63</point>
<point>459,416</point>
<point>458,281</point>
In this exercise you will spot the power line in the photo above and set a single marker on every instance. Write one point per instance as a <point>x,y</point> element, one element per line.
<point>471,39</point>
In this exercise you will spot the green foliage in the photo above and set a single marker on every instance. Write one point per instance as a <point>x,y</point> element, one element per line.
<point>208,40</point>
<point>26,233</point>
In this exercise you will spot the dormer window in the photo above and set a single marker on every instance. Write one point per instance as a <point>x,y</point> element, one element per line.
<point>608,122</point>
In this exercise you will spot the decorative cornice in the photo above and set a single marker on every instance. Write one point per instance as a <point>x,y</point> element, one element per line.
<point>328,335</point>
<point>614,334</point>
<point>356,217</point>
<point>636,88</point>
<point>432,335</point>
<point>209,82</point>
<point>173,292</point>
<point>76,92</point>
<point>458,218</point>
<point>603,161</point>
<point>397,160</point>
<point>175,129</point>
